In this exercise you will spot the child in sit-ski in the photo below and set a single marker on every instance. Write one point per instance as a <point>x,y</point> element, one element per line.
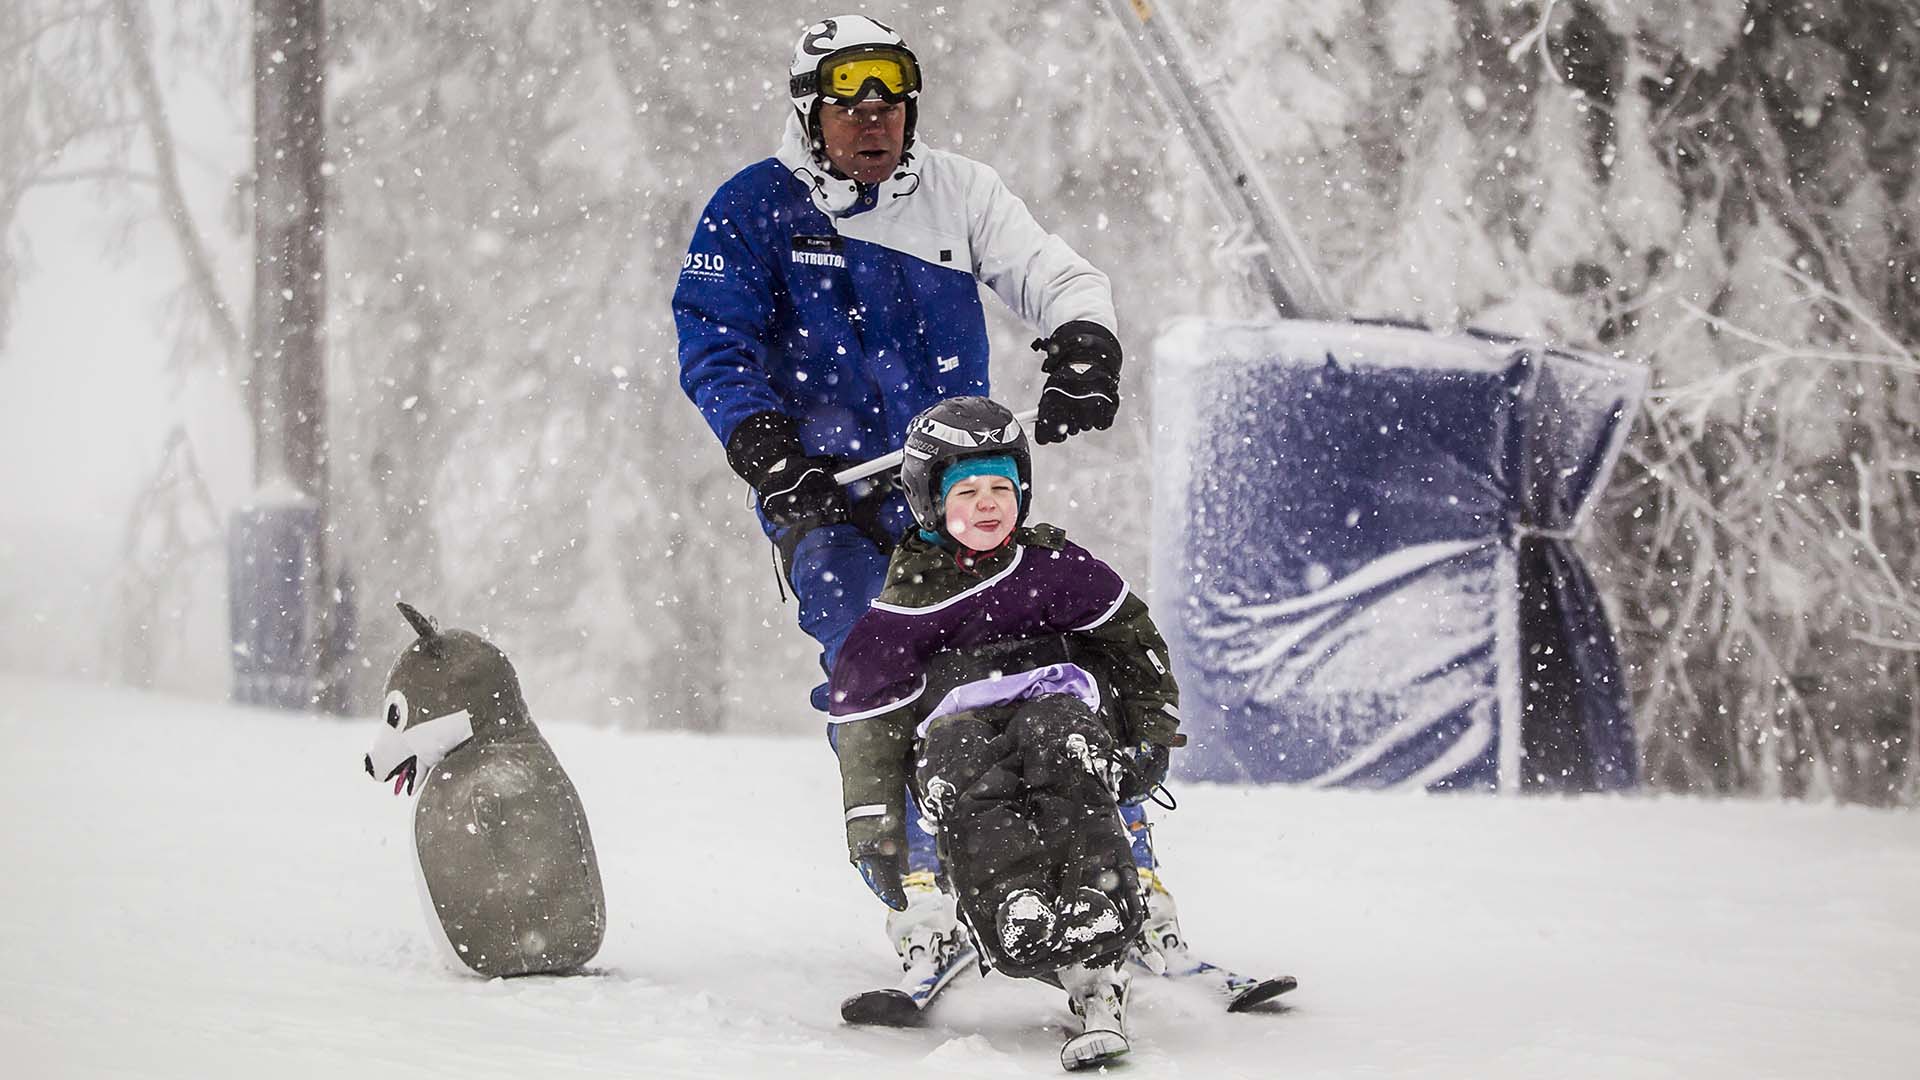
<point>1021,688</point>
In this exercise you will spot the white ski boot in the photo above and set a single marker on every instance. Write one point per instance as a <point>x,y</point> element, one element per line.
<point>1161,946</point>
<point>1098,996</point>
<point>929,929</point>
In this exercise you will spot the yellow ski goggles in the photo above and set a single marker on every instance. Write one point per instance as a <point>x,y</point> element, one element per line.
<point>845,77</point>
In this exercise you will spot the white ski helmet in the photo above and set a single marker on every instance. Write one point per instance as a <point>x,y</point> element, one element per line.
<point>846,59</point>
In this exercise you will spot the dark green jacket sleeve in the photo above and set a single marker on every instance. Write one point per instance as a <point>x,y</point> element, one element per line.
<point>876,756</point>
<point>1138,668</point>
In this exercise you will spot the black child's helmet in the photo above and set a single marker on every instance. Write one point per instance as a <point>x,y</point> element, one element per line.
<point>958,428</point>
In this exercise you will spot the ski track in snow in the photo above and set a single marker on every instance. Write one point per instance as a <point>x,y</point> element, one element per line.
<point>195,890</point>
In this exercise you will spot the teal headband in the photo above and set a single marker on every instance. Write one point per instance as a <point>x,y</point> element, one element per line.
<point>966,468</point>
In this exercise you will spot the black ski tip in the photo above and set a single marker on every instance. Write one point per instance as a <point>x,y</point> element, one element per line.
<point>882,1008</point>
<point>1261,992</point>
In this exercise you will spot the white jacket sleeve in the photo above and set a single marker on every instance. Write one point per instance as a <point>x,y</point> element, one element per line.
<point>1042,279</point>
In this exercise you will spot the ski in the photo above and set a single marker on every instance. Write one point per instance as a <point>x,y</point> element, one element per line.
<point>1242,992</point>
<point>905,1005</point>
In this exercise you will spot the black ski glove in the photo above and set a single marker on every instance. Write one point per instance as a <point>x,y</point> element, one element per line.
<point>882,875</point>
<point>875,846</point>
<point>794,489</point>
<point>1144,767</point>
<point>1082,391</point>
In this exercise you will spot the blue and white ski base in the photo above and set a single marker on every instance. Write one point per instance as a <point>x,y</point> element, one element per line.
<point>905,1005</point>
<point>1241,992</point>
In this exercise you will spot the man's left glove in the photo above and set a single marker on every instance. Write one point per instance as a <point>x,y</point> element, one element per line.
<point>1082,391</point>
<point>794,489</point>
<point>1143,768</point>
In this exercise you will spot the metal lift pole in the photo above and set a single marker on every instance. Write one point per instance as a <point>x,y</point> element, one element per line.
<point>1164,54</point>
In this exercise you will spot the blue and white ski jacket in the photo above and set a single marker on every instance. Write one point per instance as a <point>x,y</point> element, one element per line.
<point>852,311</point>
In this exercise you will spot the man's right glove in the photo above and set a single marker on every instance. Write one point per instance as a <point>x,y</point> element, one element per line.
<point>794,489</point>
<point>1082,390</point>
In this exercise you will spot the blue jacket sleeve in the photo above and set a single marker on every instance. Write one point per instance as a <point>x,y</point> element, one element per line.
<point>721,308</point>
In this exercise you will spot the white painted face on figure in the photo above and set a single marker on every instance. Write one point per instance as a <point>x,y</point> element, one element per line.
<point>981,511</point>
<point>411,743</point>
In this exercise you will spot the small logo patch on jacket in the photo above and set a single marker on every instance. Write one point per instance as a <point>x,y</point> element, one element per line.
<point>818,251</point>
<point>704,265</point>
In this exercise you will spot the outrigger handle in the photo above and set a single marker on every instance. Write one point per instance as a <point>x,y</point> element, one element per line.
<point>892,461</point>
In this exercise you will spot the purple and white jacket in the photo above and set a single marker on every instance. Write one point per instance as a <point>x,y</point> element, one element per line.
<point>1042,591</point>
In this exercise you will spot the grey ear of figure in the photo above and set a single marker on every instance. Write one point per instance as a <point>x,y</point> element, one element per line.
<point>421,624</point>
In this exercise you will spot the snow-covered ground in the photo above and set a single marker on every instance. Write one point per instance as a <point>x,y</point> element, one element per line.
<point>194,891</point>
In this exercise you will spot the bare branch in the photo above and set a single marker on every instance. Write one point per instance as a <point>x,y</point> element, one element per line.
<point>1852,306</point>
<point>132,23</point>
<point>1537,37</point>
<point>107,175</point>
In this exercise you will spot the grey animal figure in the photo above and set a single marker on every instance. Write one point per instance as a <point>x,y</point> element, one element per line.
<point>505,858</point>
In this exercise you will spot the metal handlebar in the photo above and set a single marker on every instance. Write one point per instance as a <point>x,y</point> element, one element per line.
<point>892,461</point>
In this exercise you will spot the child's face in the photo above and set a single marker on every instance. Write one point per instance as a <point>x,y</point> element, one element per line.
<point>981,511</point>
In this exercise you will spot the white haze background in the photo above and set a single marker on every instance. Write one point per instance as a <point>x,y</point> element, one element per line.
<point>1724,190</point>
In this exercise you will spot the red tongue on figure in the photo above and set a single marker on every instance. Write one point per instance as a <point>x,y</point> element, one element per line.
<point>403,776</point>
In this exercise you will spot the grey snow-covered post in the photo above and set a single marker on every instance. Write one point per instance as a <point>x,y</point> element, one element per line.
<point>278,579</point>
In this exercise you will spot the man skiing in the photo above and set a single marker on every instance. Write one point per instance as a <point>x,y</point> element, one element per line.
<point>830,294</point>
<point>1024,689</point>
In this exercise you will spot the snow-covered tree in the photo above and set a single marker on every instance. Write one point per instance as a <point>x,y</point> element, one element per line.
<point>1722,189</point>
